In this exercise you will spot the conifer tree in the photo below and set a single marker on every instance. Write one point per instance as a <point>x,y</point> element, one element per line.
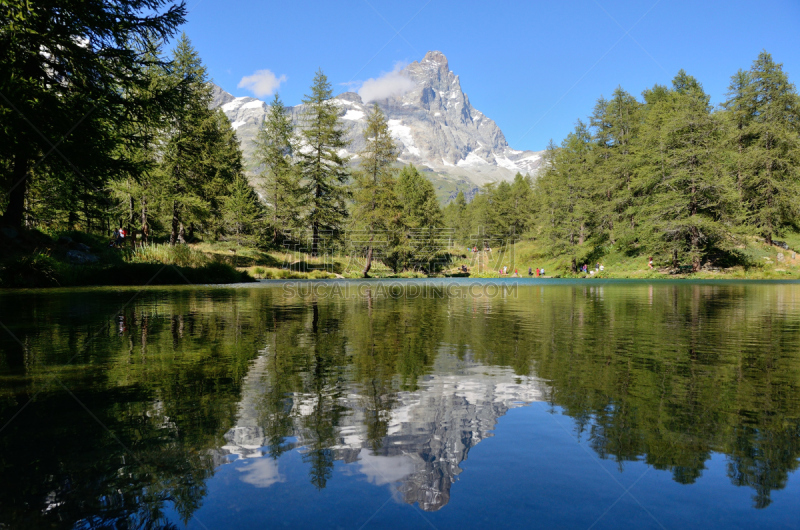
<point>376,205</point>
<point>276,147</point>
<point>689,199</point>
<point>67,64</point>
<point>456,217</point>
<point>183,157</point>
<point>623,116</point>
<point>142,136</point>
<point>220,167</point>
<point>322,168</point>
<point>422,216</point>
<point>767,107</point>
<point>243,212</point>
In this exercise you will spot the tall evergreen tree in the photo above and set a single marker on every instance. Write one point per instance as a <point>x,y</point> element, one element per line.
<point>422,217</point>
<point>243,212</point>
<point>276,147</point>
<point>688,204</point>
<point>766,105</point>
<point>63,80</point>
<point>376,205</point>
<point>456,217</point>
<point>183,157</point>
<point>322,168</point>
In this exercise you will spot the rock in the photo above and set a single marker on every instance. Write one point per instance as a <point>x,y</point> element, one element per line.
<point>83,247</point>
<point>9,232</point>
<point>78,257</point>
<point>64,240</point>
<point>430,117</point>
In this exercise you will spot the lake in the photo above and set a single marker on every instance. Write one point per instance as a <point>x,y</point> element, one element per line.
<point>408,404</point>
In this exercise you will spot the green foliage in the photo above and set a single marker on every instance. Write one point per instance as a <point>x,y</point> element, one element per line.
<point>765,119</point>
<point>422,220</point>
<point>63,72</point>
<point>276,147</point>
<point>244,214</point>
<point>323,171</point>
<point>377,209</point>
<point>669,176</point>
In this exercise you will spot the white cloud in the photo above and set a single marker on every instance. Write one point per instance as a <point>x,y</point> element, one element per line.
<point>394,83</point>
<point>261,472</point>
<point>262,83</point>
<point>381,470</point>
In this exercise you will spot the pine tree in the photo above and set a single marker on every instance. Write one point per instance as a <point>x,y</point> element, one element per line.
<point>624,119</point>
<point>63,72</point>
<point>689,198</point>
<point>422,217</point>
<point>322,168</point>
<point>142,135</point>
<point>767,108</point>
<point>456,217</point>
<point>187,135</point>
<point>739,108</point>
<point>243,212</point>
<point>276,146</point>
<point>221,167</point>
<point>376,206</point>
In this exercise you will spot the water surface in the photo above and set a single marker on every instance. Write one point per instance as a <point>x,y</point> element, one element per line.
<point>416,404</point>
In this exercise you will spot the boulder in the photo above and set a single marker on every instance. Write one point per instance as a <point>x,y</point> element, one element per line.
<point>80,258</point>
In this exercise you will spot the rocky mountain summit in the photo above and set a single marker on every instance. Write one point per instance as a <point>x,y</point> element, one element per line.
<point>432,120</point>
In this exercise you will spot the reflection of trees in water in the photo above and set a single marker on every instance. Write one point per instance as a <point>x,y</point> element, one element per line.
<point>671,377</point>
<point>667,375</point>
<point>162,379</point>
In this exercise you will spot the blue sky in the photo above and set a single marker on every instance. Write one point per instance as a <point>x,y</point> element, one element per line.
<point>534,67</point>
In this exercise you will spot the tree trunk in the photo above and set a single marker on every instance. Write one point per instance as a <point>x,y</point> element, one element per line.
<point>674,259</point>
<point>314,240</point>
<point>182,235</point>
<point>173,235</point>
<point>191,231</point>
<point>145,227</point>
<point>131,220</point>
<point>15,211</point>
<point>369,257</point>
<point>574,266</point>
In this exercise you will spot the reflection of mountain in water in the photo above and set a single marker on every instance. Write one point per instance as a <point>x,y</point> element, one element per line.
<point>430,431</point>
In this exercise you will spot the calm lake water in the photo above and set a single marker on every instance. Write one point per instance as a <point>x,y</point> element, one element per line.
<point>418,404</point>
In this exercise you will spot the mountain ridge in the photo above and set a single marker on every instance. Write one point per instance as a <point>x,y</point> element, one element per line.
<point>434,125</point>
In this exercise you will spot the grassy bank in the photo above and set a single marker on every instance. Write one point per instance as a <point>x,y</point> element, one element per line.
<point>36,259</point>
<point>758,261</point>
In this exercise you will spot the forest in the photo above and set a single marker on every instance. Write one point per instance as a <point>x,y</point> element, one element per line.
<point>669,176</point>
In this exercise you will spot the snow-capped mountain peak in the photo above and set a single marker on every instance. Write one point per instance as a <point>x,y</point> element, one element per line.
<point>433,122</point>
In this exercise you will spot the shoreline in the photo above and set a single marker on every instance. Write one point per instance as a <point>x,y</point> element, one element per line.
<point>552,281</point>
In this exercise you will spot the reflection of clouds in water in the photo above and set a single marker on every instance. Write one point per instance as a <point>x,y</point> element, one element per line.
<point>381,470</point>
<point>261,472</point>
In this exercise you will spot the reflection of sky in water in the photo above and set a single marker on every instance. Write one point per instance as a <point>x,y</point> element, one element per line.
<point>429,431</point>
<point>381,470</point>
<point>260,472</point>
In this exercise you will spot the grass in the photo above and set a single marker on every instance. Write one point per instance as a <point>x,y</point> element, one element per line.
<point>34,258</point>
<point>758,261</point>
<point>37,259</point>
